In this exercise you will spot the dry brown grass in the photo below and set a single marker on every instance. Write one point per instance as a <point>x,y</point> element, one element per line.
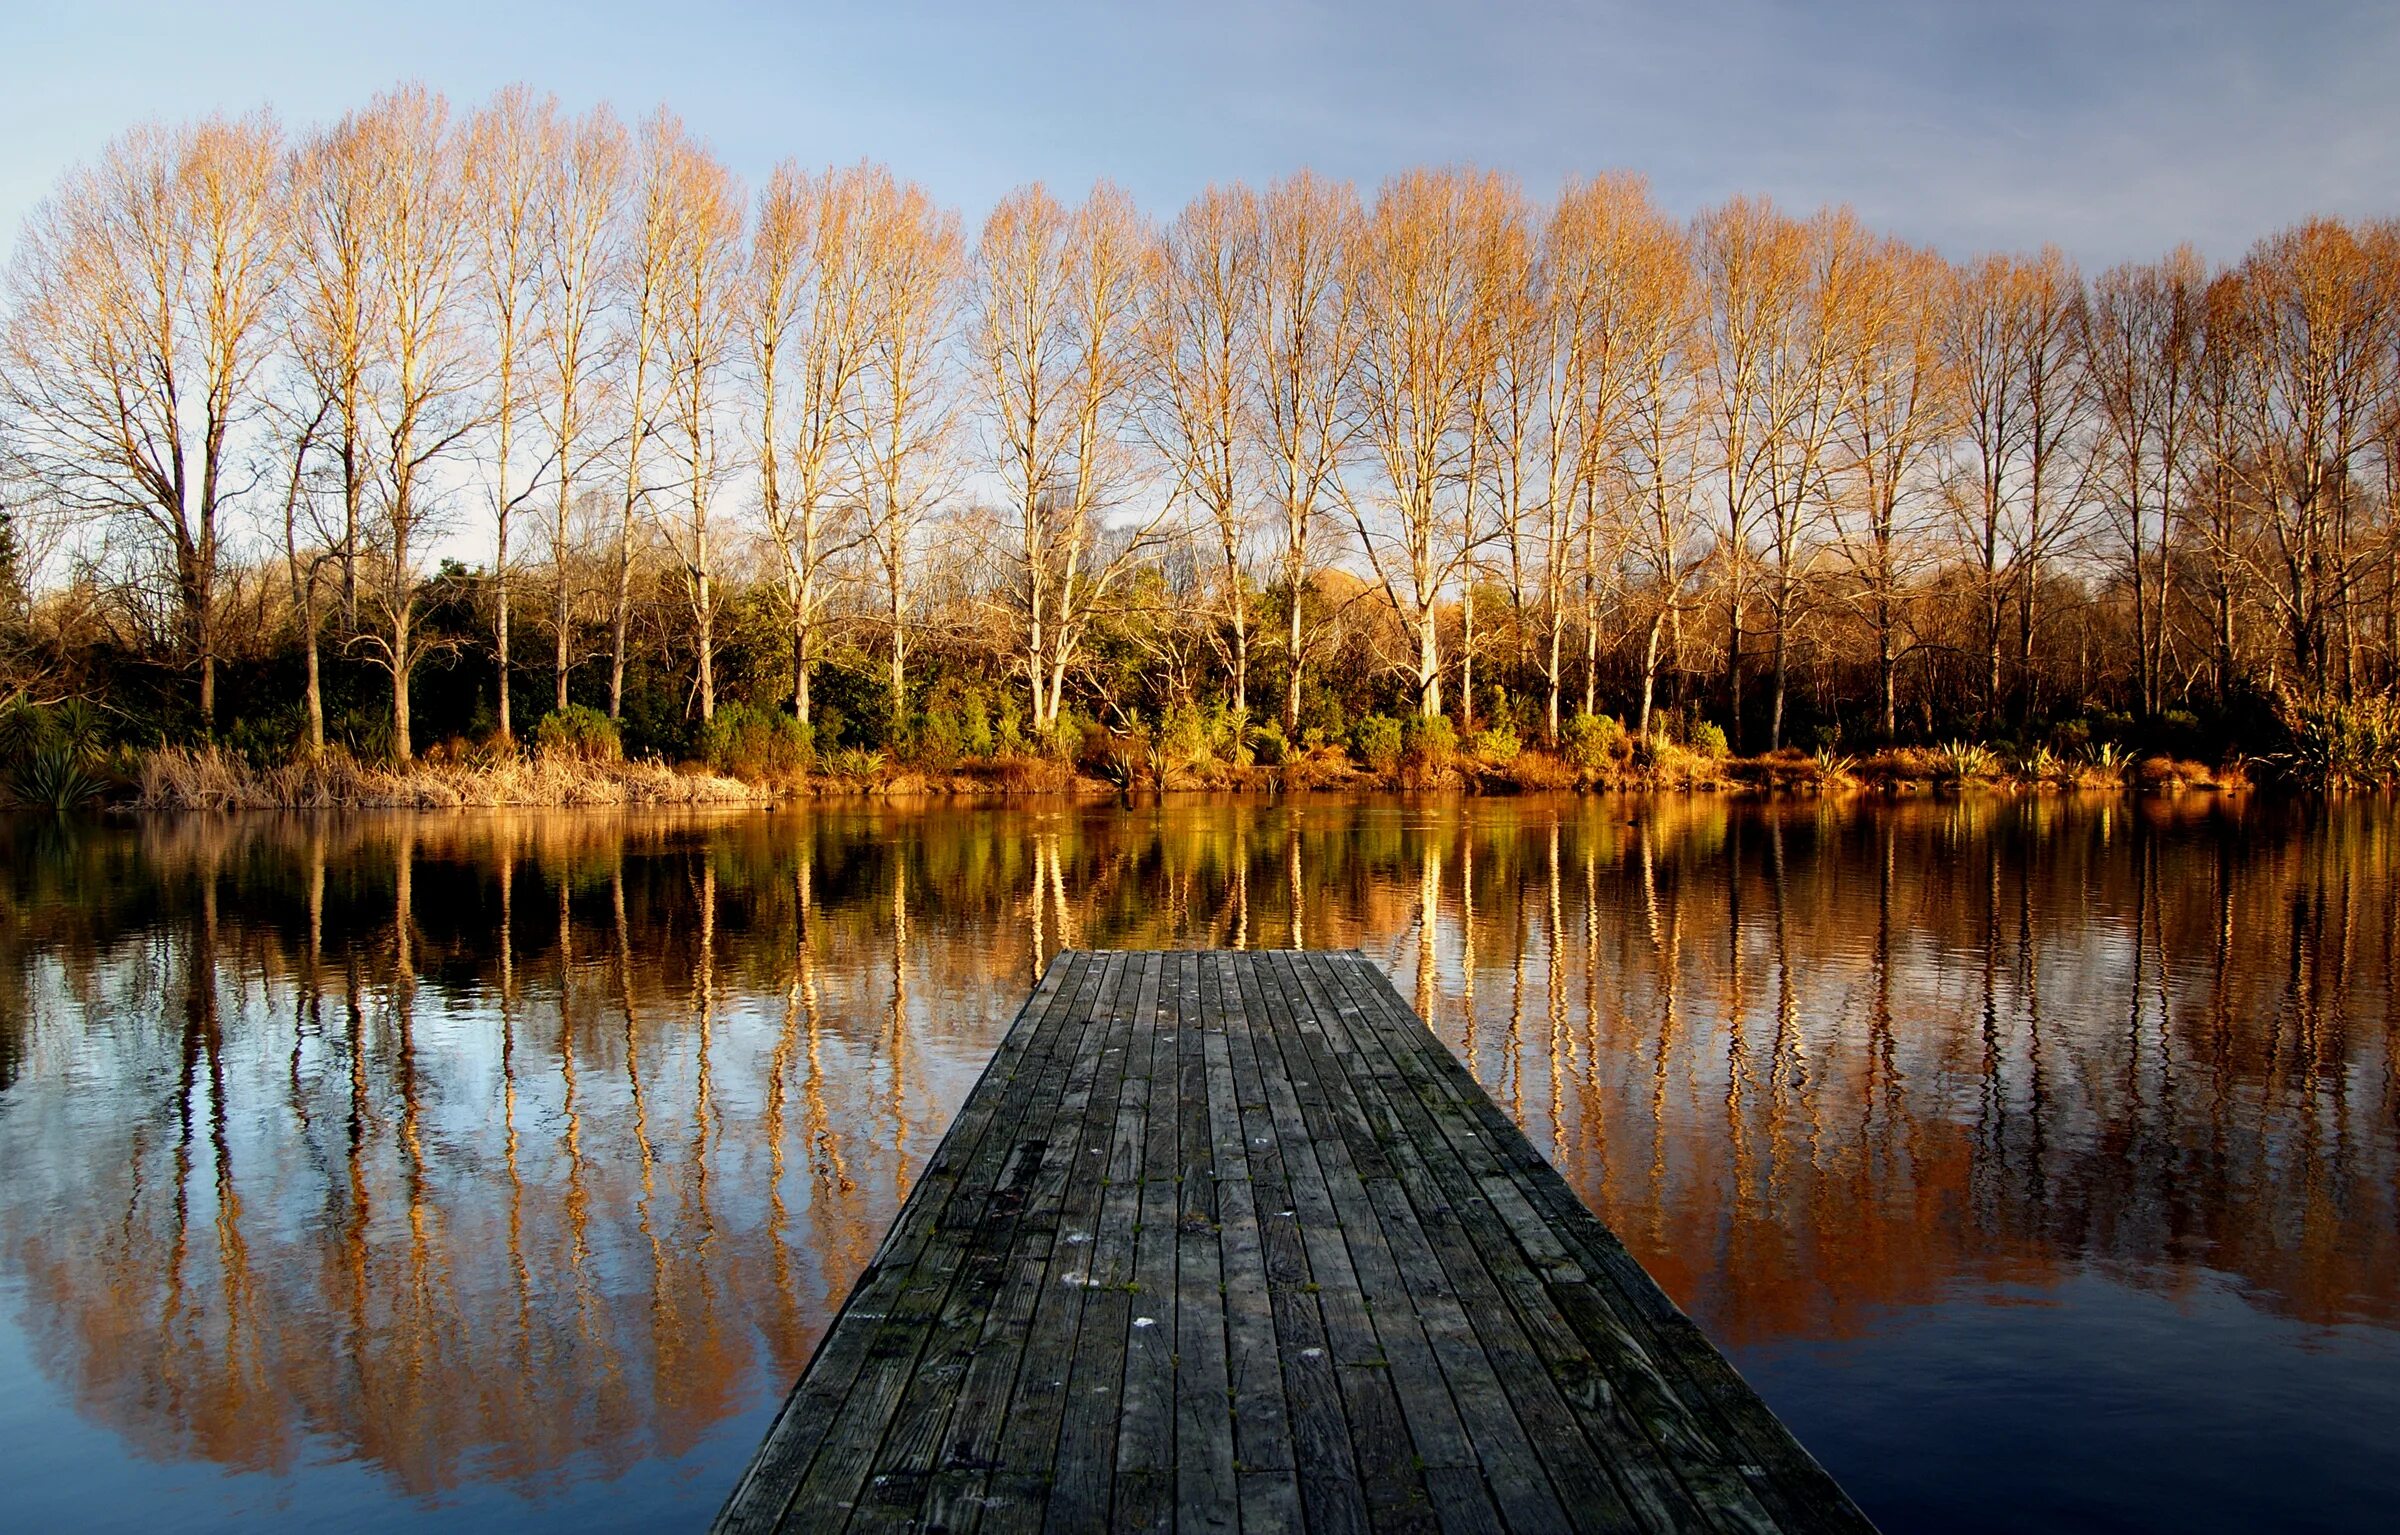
<point>2168,774</point>
<point>181,778</point>
<point>1537,770</point>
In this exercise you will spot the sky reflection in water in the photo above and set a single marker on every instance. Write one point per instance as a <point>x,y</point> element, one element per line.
<point>2036,1159</point>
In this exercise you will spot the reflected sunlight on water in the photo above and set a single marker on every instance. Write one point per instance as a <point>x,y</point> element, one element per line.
<point>400,1168</point>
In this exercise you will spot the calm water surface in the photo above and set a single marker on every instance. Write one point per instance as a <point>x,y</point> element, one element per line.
<point>2036,1160</point>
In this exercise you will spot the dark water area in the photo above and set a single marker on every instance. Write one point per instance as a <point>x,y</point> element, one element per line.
<point>2038,1160</point>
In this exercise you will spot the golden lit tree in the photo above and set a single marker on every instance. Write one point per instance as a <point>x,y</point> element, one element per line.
<point>1200,339</point>
<point>1058,349</point>
<point>1419,383</point>
<point>509,151</point>
<point>1892,412</point>
<point>901,452</point>
<point>701,267</point>
<point>808,329</point>
<point>1300,409</point>
<point>140,305</point>
<point>423,364</point>
<point>2138,336</point>
<point>582,197</point>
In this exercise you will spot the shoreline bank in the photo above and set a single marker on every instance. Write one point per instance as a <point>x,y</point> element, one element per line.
<point>185,779</point>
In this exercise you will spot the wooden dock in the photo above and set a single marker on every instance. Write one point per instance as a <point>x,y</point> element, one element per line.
<point>1230,1241</point>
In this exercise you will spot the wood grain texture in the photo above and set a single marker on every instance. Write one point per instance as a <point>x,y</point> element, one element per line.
<point>1230,1242</point>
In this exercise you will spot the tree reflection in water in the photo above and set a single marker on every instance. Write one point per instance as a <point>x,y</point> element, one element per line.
<point>526,1149</point>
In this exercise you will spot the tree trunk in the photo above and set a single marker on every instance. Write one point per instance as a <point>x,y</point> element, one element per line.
<point>706,623</point>
<point>1775,713</point>
<point>1241,635</point>
<point>1291,689</point>
<point>500,572</point>
<point>1885,671</point>
<point>316,689</point>
<point>1558,626</point>
<point>1466,664</point>
<point>624,613</point>
<point>899,655</point>
<point>403,750</point>
<point>1429,666</point>
<point>1658,625</point>
<point>1733,672</point>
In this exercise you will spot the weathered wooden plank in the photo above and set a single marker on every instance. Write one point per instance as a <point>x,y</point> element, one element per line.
<point>1785,1480</point>
<point>1521,1331</point>
<point>1083,1479</point>
<point>768,1485</point>
<point>1145,1479</point>
<point>1231,1242</point>
<point>1524,1482</point>
<point>1204,1462</point>
<point>1268,1488</point>
<point>968,1449</point>
<point>1332,1497</point>
<point>1018,1491</point>
<point>960,1233</point>
<point>1335,1219</point>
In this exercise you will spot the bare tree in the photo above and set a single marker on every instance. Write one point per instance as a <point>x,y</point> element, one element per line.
<point>508,149</point>
<point>1057,343</point>
<point>1200,339</point>
<point>2314,380</point>
<point>1656,460</point>
<point>704,214</point>
<point>1505,363</point>
<point>424,367</point>
<point>1806,361</point>
<point>1753,266</point>
<point>808,329</point>
<point>2138,341</point>
<point>1891,413</point>
<point>582,197</point>
<point>645,281</point>
<point>2016,414</point>
<point>1417,385</point>
<point>1300,410</point>
<point>905,412</point>
<point>302,565</point>
<point>334,310</point>
<point>1603,326</point>
<point>1982,353</point>
<point>140,304</point>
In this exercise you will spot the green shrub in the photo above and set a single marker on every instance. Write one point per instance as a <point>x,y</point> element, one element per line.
<point>1595,742</point>
<point>578,731</point>
<point>1184,736</point>
<point>71,726</point>
<point>1229,735</point>
<point>1065,738</point>
<point>853,762</point>
<point>2329,744</point>
<point>1706,739</point>
<point>1378,741</point>
<point>58,777</point>
<point>1965,760</point>
<point>1008,732</point>
<point>957,724</point>
<point>1268,745</point>
<point>1495,747</point>
<point>1432,740</point>
<point>757,743</point>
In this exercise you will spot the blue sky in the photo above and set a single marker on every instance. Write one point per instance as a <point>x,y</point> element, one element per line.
<point>2113,127</point>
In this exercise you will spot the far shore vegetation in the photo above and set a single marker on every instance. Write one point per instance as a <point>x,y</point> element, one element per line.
<point>498,455</point>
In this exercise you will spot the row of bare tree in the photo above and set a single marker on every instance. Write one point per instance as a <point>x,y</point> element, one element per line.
<point>1662,439</point>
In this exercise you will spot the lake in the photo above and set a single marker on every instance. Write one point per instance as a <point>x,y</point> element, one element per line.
<point>2038,1160</point>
